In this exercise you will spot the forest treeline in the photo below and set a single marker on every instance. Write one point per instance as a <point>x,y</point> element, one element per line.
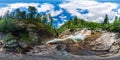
<point>75,22</point>
<point>32,28</point>
<point>45,21</point>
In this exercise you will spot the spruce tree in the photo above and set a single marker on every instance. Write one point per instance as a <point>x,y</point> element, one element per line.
<point>44,19</point>
<point>18,13</point>
<point>51,20</point>
<point>116,18</point>
<point>32,11</point>
<point>106,20</point>
<point>76,20</point>
<point>38,17</point>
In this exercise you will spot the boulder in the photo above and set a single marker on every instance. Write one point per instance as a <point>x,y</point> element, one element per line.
<point>34,37</point>
<point>1,43</point>
<point>22,45</point>
<point>114,48</point>
<point>104,42</point>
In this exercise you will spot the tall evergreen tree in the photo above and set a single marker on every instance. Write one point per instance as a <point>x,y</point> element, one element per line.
<point>44,19</point>
<point>18,13</point>
<point>12,14</point>
<point>106,20</point>
<point>69,23</point>
<point>38,17</point>
<point>116,18</point>
<point>32,11</point>
<point>23,15</point>
<point>51,20</point>
<point>76,20</point>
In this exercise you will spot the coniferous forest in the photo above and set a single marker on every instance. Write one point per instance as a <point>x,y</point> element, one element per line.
<point>17,22</point>
<point>31,33</point>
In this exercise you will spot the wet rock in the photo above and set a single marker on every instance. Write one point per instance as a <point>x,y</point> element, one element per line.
<point>114,48</point>
<point>94,43</point>
<point>11,45</point>
<point>104,42</point>
<point>34,37</point>
<point>1,43</point>
<point>3,36</point>
<point>22,45</point>
<point>59,46</point>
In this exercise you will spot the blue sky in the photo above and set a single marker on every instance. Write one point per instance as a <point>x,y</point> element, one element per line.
<point>62,10</point>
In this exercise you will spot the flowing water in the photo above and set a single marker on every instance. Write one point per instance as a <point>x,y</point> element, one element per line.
<point>79,35</point>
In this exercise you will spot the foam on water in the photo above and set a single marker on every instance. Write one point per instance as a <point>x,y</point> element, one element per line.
<point>77,36</point>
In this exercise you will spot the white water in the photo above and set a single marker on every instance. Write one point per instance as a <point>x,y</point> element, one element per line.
<point>80,35</point>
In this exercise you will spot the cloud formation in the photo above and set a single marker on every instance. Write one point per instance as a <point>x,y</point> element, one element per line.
<point>97,10</point>
<point>40,7</point>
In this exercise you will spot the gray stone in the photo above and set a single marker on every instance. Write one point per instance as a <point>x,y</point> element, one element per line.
<point>104,42</point>
<point>23,45</point>
<point>114,48</point>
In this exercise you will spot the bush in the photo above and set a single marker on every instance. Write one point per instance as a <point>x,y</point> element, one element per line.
<point>116,26</point>
<point>7,25</point>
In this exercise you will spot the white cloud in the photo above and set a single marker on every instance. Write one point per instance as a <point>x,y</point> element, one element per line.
<point>40,8</point>
<point>97,10</point>
<point>25,5</point>
<point>10,7</point>
<point>60,24</point>
<point>62,16</point>
<point>56,13</point>
<point>55,19</point>
<point>44,7</point>
<point>3,11</point>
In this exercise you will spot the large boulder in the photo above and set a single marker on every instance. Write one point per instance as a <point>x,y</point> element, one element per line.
<point>23,45</point>
<point>104,42</point>
<point>34,37</point>
<point>11,44</point>
<point>114,48</point>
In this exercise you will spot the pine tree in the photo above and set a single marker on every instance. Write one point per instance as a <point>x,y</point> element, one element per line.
<point>38,17</point>
<point>18,13</point>
<point>76,20</point>
<point>51,20</point>
<point>106,20</point>
<point>23,15</point>
<point>44,20</point>
<point>116,18</point>
<point>32,11</point>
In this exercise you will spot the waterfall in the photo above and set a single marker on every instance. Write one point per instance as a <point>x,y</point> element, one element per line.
<point>77,36</point>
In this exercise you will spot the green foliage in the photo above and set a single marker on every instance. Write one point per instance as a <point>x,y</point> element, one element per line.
<point>41,23</point>
<point>80,23</point>
<point>25,38</point>
<point>71,24</point>
<point>7,25</point>
<point>76,20</point>
<point>106,20</point>
<point>32,11</point>
<point>38,17</point>
<point>106,27</point>
<point>51,20</point>
<point>44,20</point>
<point>93,25</point>
<point>116,26</point>
<point>23,14</point>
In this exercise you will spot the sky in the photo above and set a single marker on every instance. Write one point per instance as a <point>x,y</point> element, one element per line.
<point>63,10</point>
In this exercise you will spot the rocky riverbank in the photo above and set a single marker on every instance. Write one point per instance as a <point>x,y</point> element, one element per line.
<point>82,44</point>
